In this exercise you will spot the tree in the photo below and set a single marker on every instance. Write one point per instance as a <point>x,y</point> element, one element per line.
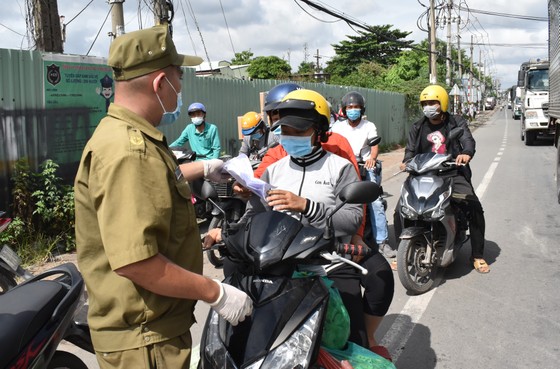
<point>379,44</point>
<point>242,58</point>
<point>269,67</point>
<point>306,68</point>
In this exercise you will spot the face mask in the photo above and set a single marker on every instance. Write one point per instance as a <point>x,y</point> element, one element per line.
<point>297,146</point>
<point>353,114</point>
<point>197,120</point>
<point>257,136</point>
<point>431,111</point>
<point>169,117</point>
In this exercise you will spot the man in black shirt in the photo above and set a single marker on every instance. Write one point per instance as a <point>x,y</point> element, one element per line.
<point>428,135</point>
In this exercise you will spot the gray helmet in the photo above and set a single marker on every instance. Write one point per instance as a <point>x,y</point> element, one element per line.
<point>353,98</point>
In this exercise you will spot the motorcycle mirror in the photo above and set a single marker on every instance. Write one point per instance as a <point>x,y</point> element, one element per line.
<point>360,192</point>
<point>374,141</point>
<point>203,189</point>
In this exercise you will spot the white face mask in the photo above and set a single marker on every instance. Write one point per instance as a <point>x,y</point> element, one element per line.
<point>431,111</point>
<point>197,120</point>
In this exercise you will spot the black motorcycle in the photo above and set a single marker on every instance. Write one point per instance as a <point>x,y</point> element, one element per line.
<point>434,223</point>
<point>39,313</point>
<point>286,326</point>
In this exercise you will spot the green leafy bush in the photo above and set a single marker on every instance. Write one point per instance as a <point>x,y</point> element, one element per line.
<point>43,212</point>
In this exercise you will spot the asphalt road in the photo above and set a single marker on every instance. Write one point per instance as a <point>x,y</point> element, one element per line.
<point>509,318</point>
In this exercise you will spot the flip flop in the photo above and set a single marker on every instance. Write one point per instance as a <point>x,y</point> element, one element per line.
<point>393,264</point>
<point>481,266</point>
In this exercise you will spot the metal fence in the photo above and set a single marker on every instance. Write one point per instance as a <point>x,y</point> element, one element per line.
<point>36,127</point>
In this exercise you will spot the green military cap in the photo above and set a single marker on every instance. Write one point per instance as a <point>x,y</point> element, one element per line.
<point>141,52</point>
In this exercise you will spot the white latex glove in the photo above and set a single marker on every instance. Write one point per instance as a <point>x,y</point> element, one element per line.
<point>213,170</point>
<point>233,305</point>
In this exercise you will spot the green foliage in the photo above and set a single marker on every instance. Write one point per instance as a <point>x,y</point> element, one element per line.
<point>242,58</point>
<point>269,67</point>
<point>43,212</point>
<point>379,44</point>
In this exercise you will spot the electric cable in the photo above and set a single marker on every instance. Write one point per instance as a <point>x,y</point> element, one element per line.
<point>98,32</point>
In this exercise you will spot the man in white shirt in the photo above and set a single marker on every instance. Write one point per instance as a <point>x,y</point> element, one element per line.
<point>358,131</point>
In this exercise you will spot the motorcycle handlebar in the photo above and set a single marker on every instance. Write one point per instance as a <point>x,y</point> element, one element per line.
<point>353,250</point>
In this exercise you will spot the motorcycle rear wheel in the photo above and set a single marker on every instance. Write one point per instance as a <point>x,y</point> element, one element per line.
<point>415,276</point>
<point>214,256</point>
<point>63,359</point>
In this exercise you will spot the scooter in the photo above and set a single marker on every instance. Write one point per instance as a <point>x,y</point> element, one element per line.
<point>39,313</point>
<point>434,223</point>
<point>286,326</point>
<point>10,263</point>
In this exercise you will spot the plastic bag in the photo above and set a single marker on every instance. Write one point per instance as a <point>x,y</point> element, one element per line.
<point>327,361</point>
<point>361,358</point>
<point>337,321</point>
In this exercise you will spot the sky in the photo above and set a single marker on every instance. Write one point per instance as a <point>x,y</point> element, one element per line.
<point>293,31</point>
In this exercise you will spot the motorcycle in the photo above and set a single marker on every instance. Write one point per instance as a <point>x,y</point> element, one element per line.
<point>232,204</point>
<point>10,263</point>
<point>286,326</point>
<point>434,223</point>
<point>37,315</point>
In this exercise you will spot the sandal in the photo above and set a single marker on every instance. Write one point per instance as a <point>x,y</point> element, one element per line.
<point>481,266</point>
<point>393,264</point>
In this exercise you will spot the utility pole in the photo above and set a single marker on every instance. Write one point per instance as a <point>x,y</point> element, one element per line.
<point>48,33</point>
<point>161,12</point>
<point>433,58</point>
<point>318,69</point>
<point>117,18</point>
<point>459,51</point>
<point>448,61</point>
<point>471,74</point>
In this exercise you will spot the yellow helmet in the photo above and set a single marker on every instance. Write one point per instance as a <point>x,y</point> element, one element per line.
<point>436,92</point>
<point>304,108</point>
<point>250,122</point>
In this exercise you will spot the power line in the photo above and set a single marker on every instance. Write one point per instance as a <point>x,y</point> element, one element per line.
<point>80,12</point>
<point>505,15</point>
<point>98,32</point>
<point>9,29</point>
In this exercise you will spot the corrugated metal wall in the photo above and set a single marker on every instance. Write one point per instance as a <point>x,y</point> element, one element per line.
<point>24,120</point>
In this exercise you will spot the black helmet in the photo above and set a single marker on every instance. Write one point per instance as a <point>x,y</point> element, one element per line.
<point>353,98</point>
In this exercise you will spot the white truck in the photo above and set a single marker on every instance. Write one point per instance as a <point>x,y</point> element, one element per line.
<point>532,80</point>
<point>554,74</point>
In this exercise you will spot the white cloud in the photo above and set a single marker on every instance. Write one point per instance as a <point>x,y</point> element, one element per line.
<point>282,28</point>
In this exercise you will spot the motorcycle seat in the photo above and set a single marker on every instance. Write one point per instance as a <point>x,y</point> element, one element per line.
<point>24,310</point>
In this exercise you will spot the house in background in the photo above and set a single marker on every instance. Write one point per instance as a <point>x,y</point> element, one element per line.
<point>222,69</point>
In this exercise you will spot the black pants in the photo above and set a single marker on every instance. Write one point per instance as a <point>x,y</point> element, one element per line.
<point>477,223</point>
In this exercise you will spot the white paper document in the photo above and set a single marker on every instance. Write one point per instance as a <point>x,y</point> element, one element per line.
<point>240,169</point>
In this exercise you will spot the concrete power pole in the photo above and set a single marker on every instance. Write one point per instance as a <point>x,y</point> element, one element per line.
<point>433,55</point>
<point>448,61</point>
<point>471,74</point>
<point>459,50</point>
<point>117,18</point>
<point>161,12</point>
<point>48,33</point>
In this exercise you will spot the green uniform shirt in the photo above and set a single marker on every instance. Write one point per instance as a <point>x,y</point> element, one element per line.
<point>132,203</point>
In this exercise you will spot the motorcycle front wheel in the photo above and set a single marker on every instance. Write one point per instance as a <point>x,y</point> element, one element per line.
<point>214,256</point>
<point>415,275</point>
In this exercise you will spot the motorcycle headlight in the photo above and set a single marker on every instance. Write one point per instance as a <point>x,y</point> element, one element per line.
<point>439,210</point>
<point>408,213</point>
<point>296,351</point>
<point>215,351</point>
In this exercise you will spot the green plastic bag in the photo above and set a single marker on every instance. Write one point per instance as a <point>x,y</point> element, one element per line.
<point>361,358</point>
<point>337,321</point>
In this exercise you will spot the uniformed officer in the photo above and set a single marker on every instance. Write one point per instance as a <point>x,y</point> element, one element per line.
<point>137,238</point>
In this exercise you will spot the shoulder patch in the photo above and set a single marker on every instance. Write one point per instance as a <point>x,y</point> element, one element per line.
<point>136,140</point>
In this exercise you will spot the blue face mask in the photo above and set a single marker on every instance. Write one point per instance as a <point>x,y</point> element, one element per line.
<point>353,114</point>
<point>297,146</point>
<point>169,117</point>
<point>257,136</point>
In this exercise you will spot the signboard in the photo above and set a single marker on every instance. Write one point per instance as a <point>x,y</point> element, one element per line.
<point>76,98</point>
